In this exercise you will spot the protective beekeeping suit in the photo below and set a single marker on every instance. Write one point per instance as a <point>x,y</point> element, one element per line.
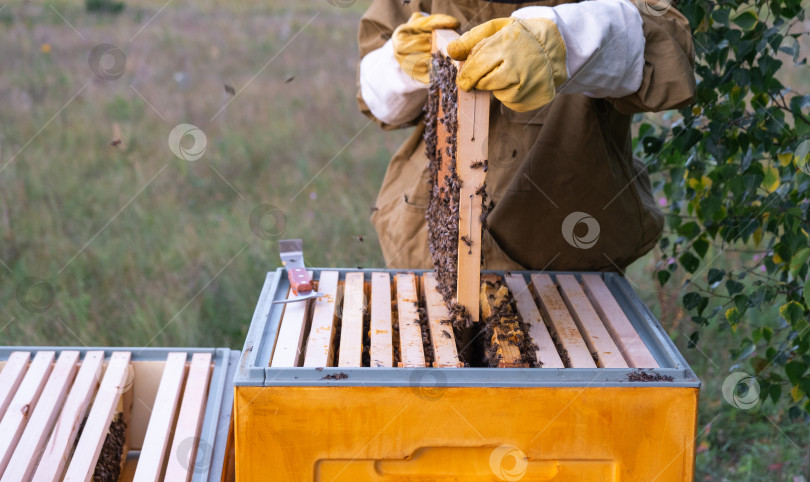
<point>566,80</point>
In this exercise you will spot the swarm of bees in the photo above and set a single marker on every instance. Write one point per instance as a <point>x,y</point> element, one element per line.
<point>427,346</point>
<point>503,325</point>
<point>443,207</point>
<point>112,456</point>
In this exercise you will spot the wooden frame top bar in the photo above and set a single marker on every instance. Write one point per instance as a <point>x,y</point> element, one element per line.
<point>472,137</point>
<point>411,351</point>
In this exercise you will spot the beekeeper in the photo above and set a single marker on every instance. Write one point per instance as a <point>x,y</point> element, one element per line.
<point>566,80</point>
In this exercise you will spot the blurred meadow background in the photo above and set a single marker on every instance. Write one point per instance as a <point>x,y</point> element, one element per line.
<point>108,238</point>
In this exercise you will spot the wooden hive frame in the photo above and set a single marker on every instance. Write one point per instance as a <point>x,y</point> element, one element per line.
<point>472,136</point>
<point>58,414</point>
<point>568,321</point>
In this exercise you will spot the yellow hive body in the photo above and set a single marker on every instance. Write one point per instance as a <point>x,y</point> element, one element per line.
<point>406,434</point>
<point>442,422</point>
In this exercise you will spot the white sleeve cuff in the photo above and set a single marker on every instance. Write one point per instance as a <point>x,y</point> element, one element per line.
<point>391,95</point>
<point>604,43</point>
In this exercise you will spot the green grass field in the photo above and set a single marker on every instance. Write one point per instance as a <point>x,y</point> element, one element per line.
<point>130,245</point>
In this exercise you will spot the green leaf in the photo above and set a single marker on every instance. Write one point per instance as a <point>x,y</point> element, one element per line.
<point>663,276</point>
<point>767,333</point>
<point>791,311</point>
<point>741,302</point>
<point>720,16</point>
<point>771,181</point>
<point>694,12</point>
<point>712,207</point>
<point>701,246</point>
<point>689,261</point>
<point>804,384</point>
<point>715,275</point>
<point>775,391</point>
<point>733,315</point>
<point>692,300</point>
<point>689,230</point>
<point>700,320</point>
<point>798,260</point>
<point>794,371</point>
<point>798,103</point>
<point>734,287</point>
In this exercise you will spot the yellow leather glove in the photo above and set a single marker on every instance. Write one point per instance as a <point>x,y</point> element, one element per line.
<point>412,41</point>
<point>521,61</point>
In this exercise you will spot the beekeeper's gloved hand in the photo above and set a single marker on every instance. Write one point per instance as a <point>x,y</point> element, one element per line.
<point>412,41</point>
<point>594,47</point>
<point>521,61</point>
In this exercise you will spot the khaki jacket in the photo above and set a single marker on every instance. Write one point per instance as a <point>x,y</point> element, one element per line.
<point>572,156</point>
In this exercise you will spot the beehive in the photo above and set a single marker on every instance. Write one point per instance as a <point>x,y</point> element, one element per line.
<point>78,414</point>
<point>341,390</point>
